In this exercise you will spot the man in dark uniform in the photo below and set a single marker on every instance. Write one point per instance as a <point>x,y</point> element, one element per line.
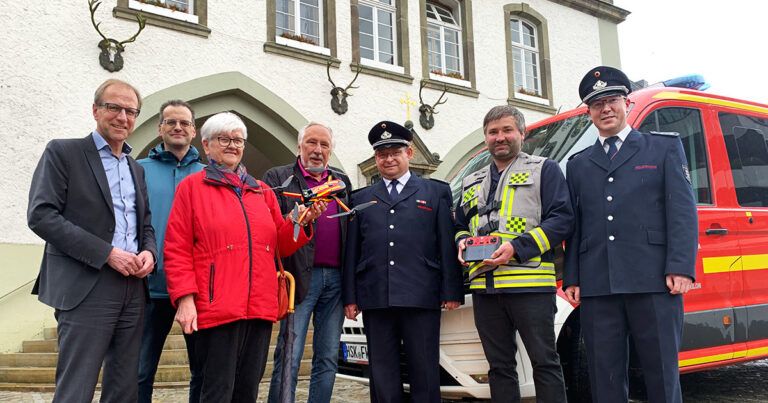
<point>633,251</point>
<point>400,269</point>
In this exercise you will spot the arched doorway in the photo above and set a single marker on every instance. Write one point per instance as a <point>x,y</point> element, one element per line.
<point>272,123</point>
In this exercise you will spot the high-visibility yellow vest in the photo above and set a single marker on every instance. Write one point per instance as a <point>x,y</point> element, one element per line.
<point>514,210</point>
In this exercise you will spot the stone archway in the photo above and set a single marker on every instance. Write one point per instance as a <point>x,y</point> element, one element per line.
<point>272,123</point>
<point>459,154</point>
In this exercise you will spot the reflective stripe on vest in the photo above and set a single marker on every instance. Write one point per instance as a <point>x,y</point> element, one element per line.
<point>533,273</point>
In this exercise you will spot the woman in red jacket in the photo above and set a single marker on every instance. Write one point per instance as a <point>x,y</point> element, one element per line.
<point>223,234</point>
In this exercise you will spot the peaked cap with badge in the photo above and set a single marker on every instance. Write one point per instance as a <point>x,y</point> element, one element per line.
<point>603,81</point>
<point>389,134</point>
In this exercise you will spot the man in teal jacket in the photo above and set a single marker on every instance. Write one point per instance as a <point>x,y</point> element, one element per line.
<point>168,163</point>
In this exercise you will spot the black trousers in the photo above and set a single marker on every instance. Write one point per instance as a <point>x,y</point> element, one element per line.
<point>104,328</point>
<point>655,322</point>
<point>158,320</point>
<point>419,332</point>
<point>232,358</point>
<point>498,318</point>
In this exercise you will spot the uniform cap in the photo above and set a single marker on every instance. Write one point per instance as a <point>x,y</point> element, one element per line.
<point>603,81</point>
<point>388,134</point>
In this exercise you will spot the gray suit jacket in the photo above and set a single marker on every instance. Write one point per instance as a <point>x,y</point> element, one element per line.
<point>70,207</point>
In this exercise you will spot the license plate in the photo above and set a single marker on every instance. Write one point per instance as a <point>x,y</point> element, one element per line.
<point>357,353</point>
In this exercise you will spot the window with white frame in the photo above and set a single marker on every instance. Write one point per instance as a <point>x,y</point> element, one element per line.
<point>444,39</point>
<point>525,57</point>
<point>300,20</point>
<point>378,31</point>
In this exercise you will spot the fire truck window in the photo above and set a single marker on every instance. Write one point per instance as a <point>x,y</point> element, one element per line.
<point>746,139</point>
<point>557,139</point>
<point>686,122</point>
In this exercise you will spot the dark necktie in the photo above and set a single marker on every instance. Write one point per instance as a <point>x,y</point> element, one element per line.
<point>612,149</point>
<point>393,192</point>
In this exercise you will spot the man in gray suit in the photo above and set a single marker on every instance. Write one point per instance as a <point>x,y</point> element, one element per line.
<point>88,201</point>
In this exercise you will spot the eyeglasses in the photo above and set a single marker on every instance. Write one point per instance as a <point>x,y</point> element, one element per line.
<point>600,104</point>
<point>115,108</point>
<point>185,124</point>
<point>237,142</point>
<point>383,155</point>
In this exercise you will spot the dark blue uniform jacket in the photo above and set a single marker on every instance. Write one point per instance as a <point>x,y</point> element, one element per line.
<point>635,217</point>
<point>401,253</point>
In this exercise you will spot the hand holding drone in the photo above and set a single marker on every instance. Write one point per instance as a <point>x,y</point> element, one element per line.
<point>322,194</point>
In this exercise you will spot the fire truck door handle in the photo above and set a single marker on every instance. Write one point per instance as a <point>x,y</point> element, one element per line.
<point>716,231</point>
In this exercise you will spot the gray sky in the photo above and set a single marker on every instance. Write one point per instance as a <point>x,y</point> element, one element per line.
<point>723,41</point>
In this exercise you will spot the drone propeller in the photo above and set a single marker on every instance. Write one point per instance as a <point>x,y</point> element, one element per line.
<point>354,210</point>
<point>296,225</point>
<point>284,184</point>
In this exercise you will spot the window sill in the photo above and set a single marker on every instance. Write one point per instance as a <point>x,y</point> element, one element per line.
<point>450,80</point>
<point>521,103</point>
<point>382,66</point>
<point>452,88</point>
<point>301,54</point>
<point>302,45</point>
<point>163,21</point>
<point>531,98</point>
<point>375,71</point>
<point>165,12</point>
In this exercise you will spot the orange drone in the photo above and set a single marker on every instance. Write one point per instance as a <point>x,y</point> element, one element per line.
<point>326,192</point>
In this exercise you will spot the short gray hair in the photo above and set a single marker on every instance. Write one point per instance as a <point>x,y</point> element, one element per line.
<point>502,111</point>
<point>99,94</point>
<point>223,122</point>
<point>304,129</point>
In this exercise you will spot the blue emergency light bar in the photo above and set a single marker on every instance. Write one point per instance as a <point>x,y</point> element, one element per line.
<point>693,81</point>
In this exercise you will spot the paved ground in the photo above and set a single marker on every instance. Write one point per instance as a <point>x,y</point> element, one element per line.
<point>746,383</point>
<point>343,392</point>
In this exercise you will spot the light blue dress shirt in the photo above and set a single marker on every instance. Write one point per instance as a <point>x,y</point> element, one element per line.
<point>123,193</point>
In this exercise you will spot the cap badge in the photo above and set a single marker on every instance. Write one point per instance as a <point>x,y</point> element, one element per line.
<point>383,125</point>
<point>385,135</point>
<point>597,74</point>
<point>599,85</point>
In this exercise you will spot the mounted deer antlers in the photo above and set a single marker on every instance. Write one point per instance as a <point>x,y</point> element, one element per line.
<point>426,111</point>
<point>339,95</point>
<point>109,45</point>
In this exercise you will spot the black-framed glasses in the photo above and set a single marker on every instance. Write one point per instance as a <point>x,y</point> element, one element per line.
<point>237,142</point>
<point>185,124</point>
<point>115,108</point>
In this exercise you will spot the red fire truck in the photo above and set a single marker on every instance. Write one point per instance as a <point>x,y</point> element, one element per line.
<point>726,315</point>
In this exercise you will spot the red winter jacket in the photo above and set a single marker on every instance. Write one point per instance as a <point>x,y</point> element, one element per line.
<point>221,248</point>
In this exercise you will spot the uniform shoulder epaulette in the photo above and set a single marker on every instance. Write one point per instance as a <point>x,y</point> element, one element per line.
<point>577,153</point>
<point>440,182</point>
<point>667,134</point>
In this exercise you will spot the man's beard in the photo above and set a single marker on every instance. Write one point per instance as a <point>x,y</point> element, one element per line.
<point>505,155</point>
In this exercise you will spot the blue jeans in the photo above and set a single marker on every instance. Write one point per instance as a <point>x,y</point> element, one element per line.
<point>323,304</point>
<point>158,319</point>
